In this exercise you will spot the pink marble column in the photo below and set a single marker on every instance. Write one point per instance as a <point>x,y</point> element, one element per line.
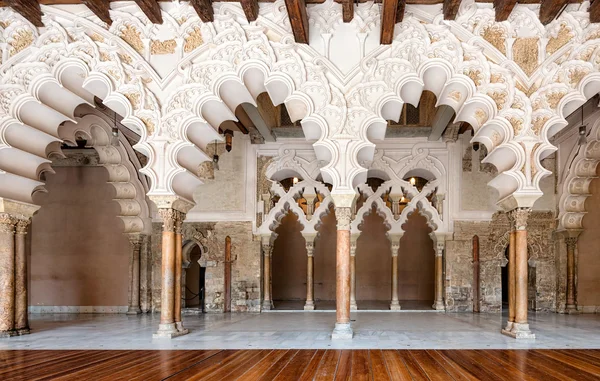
<point>395,304</point>
<point>21,313</point>
<point>571,241</point>
<point>178,270</point>
<point>134,278</point>
<point>7,275</point>
<point>310,280</point>
<point>167,328</point>
<point>520,327</point>
<point>343,329</point>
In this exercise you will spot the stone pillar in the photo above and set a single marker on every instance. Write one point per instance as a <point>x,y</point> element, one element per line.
<point>21,314</point>
<point>310,279</point>
<point>7,275</point>
<point>438,304</point>
<point>520,327</point>
<point>145,277</point>
<point>343,329</point>
<point>395,304</point>
<point>511,275</point>
<point>178,270</point>
<point>134,277</point>
<point>167,326</point>
<point>571,241</point>
<point>353,305</point>
<point>267,248</point>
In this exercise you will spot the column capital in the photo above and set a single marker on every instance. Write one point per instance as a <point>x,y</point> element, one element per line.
<point>343,216</point>
<point>7,223</point>
<point>169,217</point>
<point>395,243</point>
<point>520,217</point>
<point>22,224</point>
<point>571,242</point>
<point>179,217</point>
<point>309,244</point>
<point>135,239</point>
<point>172,202</point>
<point>440,246</point>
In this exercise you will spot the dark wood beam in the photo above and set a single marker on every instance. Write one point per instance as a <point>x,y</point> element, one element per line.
<point>450,9</point>
<point>242,128</point>
<point>30,9</point>
<point>549,9</point>
<point>347,10</point>
<point>503,9</point>
<point>595,11</point>
<point>204,10</point>
<point>297,13</point>
<point>250,8</point>
<point>388,21</point>
<point>100,9</point>
<point>151,9</point>
<point>400,10</point>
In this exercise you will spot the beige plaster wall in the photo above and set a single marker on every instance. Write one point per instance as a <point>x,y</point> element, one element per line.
<point>416,261</point>
<point>589,250</point>
<point>79,255</point>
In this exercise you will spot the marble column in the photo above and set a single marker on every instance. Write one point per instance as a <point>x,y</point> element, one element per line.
<point>267,249</point>
<point>353,305</point>
<point>343,329</point>
<point>438,303</point>
<point>511,275</point>
<point>395,304</point>
<point>167,327</point>
<point>571,241</point>
<point>520,327</point>
<point>7,275</point>
<point>310,279</point>
<point>134,278</point>
<point>21,313</point>
<point>178,270</point>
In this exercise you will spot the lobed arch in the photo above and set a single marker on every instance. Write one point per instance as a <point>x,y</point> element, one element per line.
<point>581,173</point>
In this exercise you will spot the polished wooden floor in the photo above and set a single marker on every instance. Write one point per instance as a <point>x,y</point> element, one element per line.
<point>279,365</point>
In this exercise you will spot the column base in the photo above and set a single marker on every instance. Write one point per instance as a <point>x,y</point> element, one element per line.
<point>309,306</point>
<point>181,329</point>
<point>395,306</point>
<point>134,311</point>
<point>508,328</point>
<point>266,306</point>
<point>519,331</point>
<point>353,306</point>
<point>5,334</point>
<point>571,309</point>
<point>342,331</point>
<point>167,331</point>
<point>439,306</point>
<point>23,331</point>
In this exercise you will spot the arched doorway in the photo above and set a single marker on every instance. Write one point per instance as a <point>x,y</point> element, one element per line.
<point>504,280</point>
<point>416,264</point>
<point>194,277</point>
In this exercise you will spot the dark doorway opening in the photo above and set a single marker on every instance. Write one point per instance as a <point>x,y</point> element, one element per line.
<point>504,275</point>
<point>195,276</point>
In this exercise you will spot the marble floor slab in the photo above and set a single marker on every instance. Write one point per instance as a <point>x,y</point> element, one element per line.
<point>292,330</point>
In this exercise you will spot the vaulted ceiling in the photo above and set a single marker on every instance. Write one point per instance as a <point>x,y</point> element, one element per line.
<point>392,11</point>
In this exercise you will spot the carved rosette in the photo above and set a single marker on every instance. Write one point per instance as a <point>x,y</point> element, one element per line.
<point>22,226</point>
<point>520,217</point>
<point>169,219</point>
<point>343,216</point>
<point>7,223</point>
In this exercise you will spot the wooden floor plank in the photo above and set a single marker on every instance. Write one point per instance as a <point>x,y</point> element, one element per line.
<point>74,363</point>
<point>169,365</point>
<point>361,366</point>
<point>571,361</point>
<point>206,367</point>
<point>235,369</point>
<point>328,366</point>
<point>296,366</point>
<point>519,360</point>
<point>453,369</point>
<point>584,355</point>
<point>344,368</point>
<point>561,370</point>
<point>312,367</point>
<point>262,366</point>
<point>468,364</point>
<point>417,373</point>
<point>274,370</point>
<point>379,370</point>
<point>433,370</point>
<point>396,366</point>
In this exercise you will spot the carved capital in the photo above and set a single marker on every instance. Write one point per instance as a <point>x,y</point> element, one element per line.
<point>179,217</point>
<point>440,246</point>
<point>267,250</point>
<point>310,248</point>
<point>571,243</point>
<point>395,243</point>
<point>7,223</point>
<point>22,225</point>
<point>520,217</point>
<point>169,219</point>
<point>343,216</point>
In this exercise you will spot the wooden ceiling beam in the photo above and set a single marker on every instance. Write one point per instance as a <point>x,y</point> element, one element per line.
<point>503,9</point>
<point>450,8</point>
<point>595,11</point>
<point>204,10</point>
<point>550,9</point>
<point>347,10</point>
<point>30,9</point>
<point>100,9</point>
<point>151,9</point>
<point>400,11</point>
<point>388,21</point>
<point>250,8</point>
<point>297,13</point>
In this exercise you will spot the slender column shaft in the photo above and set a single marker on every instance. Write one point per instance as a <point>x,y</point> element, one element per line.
<point>167,321</point>
<point>134,300</point>
<point>395,304</point>
<point>439,281</point>
<point>267,277</point>
<point>21,317</point>
<point>7,275</point>
<point>310,282</point>
<point>512,258</point>
<point>521,277</point>
<point>571,302</point>
<point>343,329</point>
<point>353,305</point>
<point>178,265</point>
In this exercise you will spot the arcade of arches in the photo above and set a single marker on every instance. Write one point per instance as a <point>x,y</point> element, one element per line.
<point>190,167</point>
